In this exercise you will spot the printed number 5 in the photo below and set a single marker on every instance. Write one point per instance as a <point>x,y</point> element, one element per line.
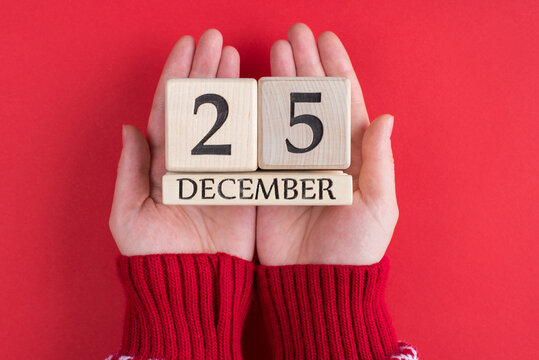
<point>311,120</point>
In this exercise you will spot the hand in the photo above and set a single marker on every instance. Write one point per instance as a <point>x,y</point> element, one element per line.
<point>358,234</point>
<point>139,222</point>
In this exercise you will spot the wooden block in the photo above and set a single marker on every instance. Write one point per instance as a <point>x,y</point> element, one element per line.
<point>258,188</point>
<point>303,123</point>
<point>211,125</point>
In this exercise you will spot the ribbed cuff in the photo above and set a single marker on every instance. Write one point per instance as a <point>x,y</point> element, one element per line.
<point>185,306</point>
<point>326,311</point>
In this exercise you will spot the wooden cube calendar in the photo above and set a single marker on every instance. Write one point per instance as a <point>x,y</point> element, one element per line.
<point>218,130</point>
<point>303,123</point>
<point>211,125</point>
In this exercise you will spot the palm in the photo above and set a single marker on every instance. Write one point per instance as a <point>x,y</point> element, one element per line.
<point>356,234</point>
<point>317,234</point>
<point>140,223</point>
<point>190,229</point>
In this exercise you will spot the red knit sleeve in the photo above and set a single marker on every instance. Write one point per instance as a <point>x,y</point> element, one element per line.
<point>327,311</point>
<point>187,306</point>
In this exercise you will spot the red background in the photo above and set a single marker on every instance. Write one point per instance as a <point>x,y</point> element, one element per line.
<point>461,78</point>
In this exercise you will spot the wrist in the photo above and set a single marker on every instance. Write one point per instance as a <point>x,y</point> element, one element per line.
<point>185,305</point>
<point>327,311</point>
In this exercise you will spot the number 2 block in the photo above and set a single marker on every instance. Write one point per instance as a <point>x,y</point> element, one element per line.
<point>211,125</point>
<point>303,123</point>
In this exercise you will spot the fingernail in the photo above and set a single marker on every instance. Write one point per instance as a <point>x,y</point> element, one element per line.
<point>124,131</point>
<point>389,128</point>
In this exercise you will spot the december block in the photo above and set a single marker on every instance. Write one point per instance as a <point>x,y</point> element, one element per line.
<point>211,125</point>
<point>258,188</point>
<point>303,123</point>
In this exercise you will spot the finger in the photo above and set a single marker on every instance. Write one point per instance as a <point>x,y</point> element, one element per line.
<point>229,65</point>
<point>132,179</point>
<point>305,51</point>
<point>177,65</point>
<point>377,177</point>
<point>282,59</point>
<point>207,55</point>
<point>337,63</point>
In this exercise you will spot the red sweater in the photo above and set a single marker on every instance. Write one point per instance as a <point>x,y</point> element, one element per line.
<point>192,306</point>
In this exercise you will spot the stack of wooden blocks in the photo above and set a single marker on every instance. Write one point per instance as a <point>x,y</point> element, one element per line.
<point>220,131</point>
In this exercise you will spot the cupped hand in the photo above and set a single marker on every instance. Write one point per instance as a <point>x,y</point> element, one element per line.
<point>358,234</point>
<point>139,222</point>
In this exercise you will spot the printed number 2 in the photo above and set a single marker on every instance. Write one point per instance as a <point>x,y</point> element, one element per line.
<point>311,120</point>
<point>222,113</point>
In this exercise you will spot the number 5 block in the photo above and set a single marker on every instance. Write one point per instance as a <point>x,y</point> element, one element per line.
<point>303,123</point>
<point>211,125</point>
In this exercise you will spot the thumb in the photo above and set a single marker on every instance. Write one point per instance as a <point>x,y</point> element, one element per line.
<point>132,180</point>
<point>377,175</point>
